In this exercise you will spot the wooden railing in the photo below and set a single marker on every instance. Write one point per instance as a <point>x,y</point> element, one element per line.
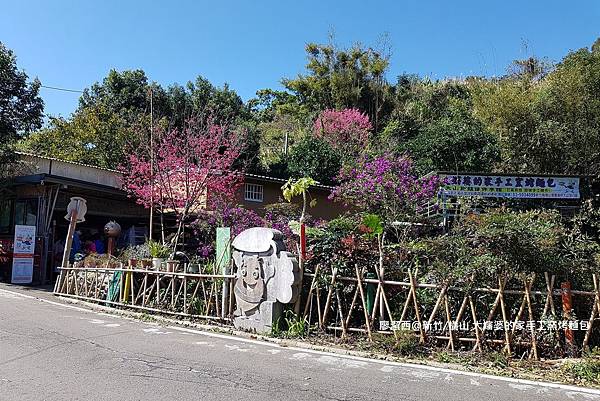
<point>207,296</point>
<point>475,316</point>
<point>471,317</point>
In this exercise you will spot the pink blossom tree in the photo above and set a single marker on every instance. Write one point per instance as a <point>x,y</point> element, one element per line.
<point>188,169</point>
<point>345,130</point>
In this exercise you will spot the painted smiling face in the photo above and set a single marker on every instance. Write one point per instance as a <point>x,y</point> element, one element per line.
<point>250,286</point>
<point>250,272</point>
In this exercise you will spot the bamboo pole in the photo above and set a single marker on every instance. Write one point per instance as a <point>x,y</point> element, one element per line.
<point>549,301</point>
<point>435,307</point>
<point>353,303</point>
<point>341,312</point>
<point>364,303</point>
<point>185,305</point>
<point>416,305</point>
<point>501,284</point>
<point>329,295</point>
<point>475,324</point>
<point>310,291</point>
<point>595,309</point>
<point>531,326</point>
<point>449,321</point>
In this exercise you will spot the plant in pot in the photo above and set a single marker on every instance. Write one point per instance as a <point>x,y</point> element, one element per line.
<point>193,265</point>
<point>158,252</point>
<point>172,265</point>
<point>137,256</point>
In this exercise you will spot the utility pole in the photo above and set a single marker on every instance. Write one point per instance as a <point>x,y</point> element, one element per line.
<point>151,167</point>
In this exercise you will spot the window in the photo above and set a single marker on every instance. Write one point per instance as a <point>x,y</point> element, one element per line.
<point>5,215</point>
<point>253,192</point>
<point>26,212</point>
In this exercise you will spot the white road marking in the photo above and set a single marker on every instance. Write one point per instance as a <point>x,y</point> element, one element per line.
<point>341,362</point>
<point>521,387</point>
<point>154,330</point>
<point>236,348</point>
<point>300,356</point>
<point>206,343</point>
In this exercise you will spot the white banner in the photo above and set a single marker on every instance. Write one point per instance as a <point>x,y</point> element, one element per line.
<point>24,248</point>
<point>24,240</point>
<point>505,186</point>
<point>22,271</point>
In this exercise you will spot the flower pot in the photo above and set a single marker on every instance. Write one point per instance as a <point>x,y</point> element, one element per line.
<point>146,263</point>
<point>172,265</point>
<point>157,263</point>
<point>132,263</point>
<point>193,268</point>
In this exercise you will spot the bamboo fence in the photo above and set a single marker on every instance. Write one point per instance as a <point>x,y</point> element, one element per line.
<point>471,317</point>
<point>206,296</point>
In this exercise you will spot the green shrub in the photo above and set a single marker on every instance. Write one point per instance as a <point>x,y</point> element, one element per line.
<point>586,370</point>
<point>290,326</point>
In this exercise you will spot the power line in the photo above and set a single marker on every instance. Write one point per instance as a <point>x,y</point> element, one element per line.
<point>61,89</point>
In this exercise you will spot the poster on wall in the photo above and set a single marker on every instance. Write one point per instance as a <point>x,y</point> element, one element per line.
<point>22,270</point>
<point>506,186</point>
<point>24,248</point>
<point>24,240</point>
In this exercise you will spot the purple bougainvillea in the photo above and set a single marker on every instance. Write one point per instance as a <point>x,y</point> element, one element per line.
<point>386,185</point>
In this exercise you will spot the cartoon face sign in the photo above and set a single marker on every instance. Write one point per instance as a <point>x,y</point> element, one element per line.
<point>250,272</point>
<point>250,286</point>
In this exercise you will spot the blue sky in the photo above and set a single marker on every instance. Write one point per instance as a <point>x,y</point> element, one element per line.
<point>253,44</point>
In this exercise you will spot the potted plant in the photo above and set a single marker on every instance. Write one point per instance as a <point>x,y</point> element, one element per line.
<point>158,252</point>
<point>193,265</point>
<point>172,265</point>
<point>136,254</point>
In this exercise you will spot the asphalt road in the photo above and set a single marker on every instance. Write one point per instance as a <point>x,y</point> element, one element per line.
<point>55,351</point>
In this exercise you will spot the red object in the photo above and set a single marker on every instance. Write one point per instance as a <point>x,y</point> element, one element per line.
<point>303,241</point>
<point>567,304</point>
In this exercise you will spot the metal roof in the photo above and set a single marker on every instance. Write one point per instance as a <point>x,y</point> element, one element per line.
<point>249,175</point>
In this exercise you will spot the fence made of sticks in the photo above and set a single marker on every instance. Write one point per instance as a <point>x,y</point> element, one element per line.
<point>198,295</point>
<point>520,316</point>
<point>515,315</point>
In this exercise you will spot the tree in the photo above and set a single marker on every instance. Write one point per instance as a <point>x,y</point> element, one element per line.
<point>93,136</point>
<point>456,142</point>
<point>344,78</point>
<point>20,104</point>
<point>385,185</point>
<point>546,121</point>
<point>112,113</point>
<point>313,157</point>
<point>277,137</point>
<point>191,169</point>
<point>346,131</point>
<point>293,188</point>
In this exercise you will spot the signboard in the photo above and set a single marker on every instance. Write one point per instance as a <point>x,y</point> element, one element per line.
<point>506,186</point>
<point>223,249</point>
<point>24,240</point>
<point>22,270</point>
<point>24,248</point>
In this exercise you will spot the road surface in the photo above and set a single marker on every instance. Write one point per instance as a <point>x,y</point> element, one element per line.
<point>55,351</point>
